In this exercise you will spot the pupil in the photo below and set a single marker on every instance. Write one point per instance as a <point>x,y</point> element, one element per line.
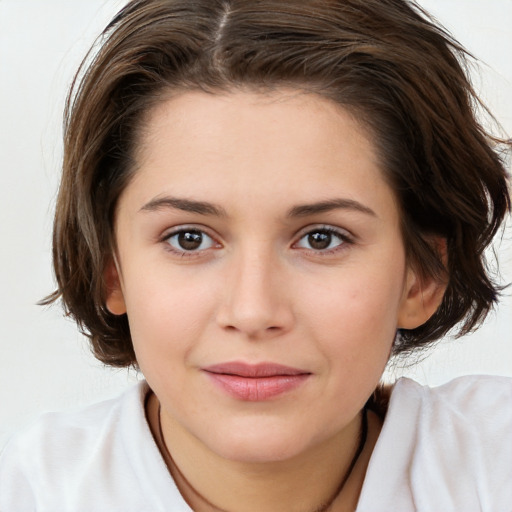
<point>190,240</point>
<point>319,240</point>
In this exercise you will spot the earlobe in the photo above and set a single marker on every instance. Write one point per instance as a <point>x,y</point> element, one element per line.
<point>422,297</point>
<point>114,299</point>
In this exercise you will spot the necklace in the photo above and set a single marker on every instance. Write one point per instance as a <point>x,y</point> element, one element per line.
<point>363,434</point>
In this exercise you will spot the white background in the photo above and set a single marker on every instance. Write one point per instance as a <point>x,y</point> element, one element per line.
<point>44,363</point>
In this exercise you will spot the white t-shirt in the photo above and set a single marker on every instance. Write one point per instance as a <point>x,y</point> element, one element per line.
<point>444,449</point>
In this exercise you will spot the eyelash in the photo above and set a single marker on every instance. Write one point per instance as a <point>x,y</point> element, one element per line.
<point>344,238</point>
<point>182,230</point>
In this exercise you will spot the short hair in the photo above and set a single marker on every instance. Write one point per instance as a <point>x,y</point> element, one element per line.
<point>385,61</point>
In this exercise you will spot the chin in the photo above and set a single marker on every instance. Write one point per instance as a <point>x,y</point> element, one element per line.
<point>258,446</point>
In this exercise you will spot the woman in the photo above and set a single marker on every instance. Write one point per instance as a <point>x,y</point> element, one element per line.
<point>260,203</point>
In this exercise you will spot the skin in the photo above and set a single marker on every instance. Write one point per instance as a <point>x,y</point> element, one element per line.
<point>256,290</point>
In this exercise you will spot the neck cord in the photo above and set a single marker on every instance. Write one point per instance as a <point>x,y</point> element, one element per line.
<point>363,434</point>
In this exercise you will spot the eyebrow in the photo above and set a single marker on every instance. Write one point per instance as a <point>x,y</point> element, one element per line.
<point>186,205</point>
<point>329,205</point>
<point>206,208</point>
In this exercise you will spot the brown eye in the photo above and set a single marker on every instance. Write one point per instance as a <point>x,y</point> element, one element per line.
<point>323,239</point>
<point>319,240</point>
<point>187,240</point>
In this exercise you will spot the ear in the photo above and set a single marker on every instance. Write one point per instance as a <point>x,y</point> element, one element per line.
<point>114,292</point>
<point>422,296</point>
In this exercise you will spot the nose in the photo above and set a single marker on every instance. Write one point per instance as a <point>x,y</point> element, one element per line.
<point>255,301</point>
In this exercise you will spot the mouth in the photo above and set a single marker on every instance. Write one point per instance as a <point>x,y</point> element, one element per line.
<point>255,382</point>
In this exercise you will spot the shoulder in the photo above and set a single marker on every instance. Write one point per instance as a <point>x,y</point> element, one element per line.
<point>81,460</point>
<point>468,419</point>
<point>448,447</point>
<point>476,396</point>
<point>72,434</point>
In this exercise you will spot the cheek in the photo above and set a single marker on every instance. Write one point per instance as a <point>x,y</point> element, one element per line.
<point>355,322</point>
<point>166,314</point>
<point>368,301</point>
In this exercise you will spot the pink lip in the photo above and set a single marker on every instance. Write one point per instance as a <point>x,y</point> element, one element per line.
<point>255,383</point>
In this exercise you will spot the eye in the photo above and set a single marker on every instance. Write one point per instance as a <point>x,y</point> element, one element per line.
<point>323,239</point>
<point>190,240</point>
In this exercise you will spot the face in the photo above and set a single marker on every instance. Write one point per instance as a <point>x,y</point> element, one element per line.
<point>261,265</point>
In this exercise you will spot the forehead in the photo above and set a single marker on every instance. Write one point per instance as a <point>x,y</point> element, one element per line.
<point>244,119</point>
<point>282,145</point>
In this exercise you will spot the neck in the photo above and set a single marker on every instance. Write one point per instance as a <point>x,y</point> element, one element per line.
<point>307,483</point>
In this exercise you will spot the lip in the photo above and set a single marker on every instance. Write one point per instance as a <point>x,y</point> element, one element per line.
<point>255,382</point>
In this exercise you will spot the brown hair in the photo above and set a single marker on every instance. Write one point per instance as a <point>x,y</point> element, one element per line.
<point>402,75</point>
